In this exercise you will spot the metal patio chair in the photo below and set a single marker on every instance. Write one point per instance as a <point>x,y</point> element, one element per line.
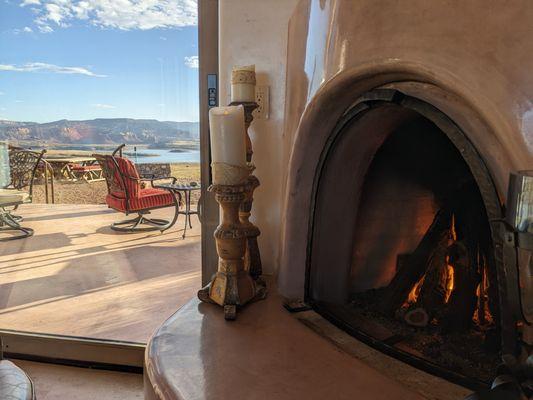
<point>88,173</point>
<point>128,193</point>
<point>15,384</point>
<point>23,165</point>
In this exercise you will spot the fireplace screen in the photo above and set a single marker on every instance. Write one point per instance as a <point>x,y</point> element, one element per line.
<point>422,258</point>
<point>401,251</point>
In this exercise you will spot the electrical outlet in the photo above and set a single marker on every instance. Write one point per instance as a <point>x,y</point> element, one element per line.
<point>262,98</point>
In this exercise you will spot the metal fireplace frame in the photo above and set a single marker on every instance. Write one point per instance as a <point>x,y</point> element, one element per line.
<point>510,310</point>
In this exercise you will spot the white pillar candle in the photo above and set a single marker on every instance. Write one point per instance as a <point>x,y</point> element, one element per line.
<point>228,144</point>
<point>243,84</point>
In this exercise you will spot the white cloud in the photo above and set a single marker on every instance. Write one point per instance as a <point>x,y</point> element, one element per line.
<point>119,14</point>
<point>2,93</point>
<point>44,67</point>
<point>162,38</point>
<point>19,101</point>
<point>191,62</point>
<point>55,13</point>
<point>103,106</point>
<point>30,3</point>
<point>45,28</point>
<point>26,29</point>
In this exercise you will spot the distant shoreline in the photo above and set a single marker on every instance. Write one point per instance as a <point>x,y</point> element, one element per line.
<point>177,152</point>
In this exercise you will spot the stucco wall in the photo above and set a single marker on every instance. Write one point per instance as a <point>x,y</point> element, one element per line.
<point>255,32</point>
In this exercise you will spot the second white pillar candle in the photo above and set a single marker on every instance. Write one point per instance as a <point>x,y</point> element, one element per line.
<point>243,84</point>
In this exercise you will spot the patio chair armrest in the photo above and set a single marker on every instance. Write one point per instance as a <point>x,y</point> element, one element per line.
<point>134,178</point>
<point>159,178</point>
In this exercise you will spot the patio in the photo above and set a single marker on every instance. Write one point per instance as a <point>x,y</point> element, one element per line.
<point>77,277</point>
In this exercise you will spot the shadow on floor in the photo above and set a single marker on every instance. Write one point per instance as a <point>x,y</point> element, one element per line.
<point>109,268</point>
<point>69,215</point>
<point>46,241</point>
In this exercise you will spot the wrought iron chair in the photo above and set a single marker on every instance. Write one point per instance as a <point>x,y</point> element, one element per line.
<point>23,165</point>
<point>127,193</point>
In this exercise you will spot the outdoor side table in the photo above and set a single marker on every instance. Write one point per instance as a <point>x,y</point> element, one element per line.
<point>186,190</point>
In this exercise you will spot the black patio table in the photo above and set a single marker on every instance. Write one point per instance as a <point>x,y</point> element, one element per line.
<point>186,190</point>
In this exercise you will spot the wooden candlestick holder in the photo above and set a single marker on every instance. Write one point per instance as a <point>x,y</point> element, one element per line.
<point>232,285</point>
<point>253,262</point>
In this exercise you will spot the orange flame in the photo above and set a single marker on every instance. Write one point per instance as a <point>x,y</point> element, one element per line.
<point>415,292</point>
<point>449,280</point>
<point>450,271</point>
<point>482,314</point>
<point>453,232</point>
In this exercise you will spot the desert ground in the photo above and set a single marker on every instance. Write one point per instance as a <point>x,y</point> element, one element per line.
<point>81,192</point>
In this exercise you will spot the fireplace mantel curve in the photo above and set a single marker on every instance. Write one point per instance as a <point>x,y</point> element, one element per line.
<point>326,109</point>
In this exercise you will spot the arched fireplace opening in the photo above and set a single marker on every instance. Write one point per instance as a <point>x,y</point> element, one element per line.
<point>401,252</point>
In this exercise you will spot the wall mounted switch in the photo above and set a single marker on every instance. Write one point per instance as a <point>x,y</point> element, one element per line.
<point>262,98</point>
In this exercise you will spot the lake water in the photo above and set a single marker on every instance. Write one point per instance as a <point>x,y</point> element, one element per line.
<point>146,156</point>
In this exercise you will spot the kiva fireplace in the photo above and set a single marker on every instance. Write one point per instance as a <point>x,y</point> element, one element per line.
<point>409,216</point>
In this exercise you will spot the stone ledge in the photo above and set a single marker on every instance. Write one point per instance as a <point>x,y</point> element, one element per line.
<point>265,354</point>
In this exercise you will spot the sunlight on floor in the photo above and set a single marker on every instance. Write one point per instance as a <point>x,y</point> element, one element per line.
<point>76,276</point>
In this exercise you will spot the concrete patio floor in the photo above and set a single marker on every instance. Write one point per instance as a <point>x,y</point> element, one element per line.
<point>77,277</point>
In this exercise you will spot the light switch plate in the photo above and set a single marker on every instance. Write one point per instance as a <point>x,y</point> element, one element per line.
<point>262,98</point>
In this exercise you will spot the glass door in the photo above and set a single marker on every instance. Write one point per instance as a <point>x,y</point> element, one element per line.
<point>77,80</point>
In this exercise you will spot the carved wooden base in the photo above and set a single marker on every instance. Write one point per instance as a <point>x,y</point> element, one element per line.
<point>232,286</point>
<point>232,291</point>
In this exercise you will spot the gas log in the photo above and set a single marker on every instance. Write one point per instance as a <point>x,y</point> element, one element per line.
<point>465,255</point>
<point>433,291</point>
<point>446,277</point>
<point>415,266</point>
<point>463,298</point>
<point>434,287</point>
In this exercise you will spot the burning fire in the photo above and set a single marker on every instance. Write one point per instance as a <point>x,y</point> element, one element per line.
<point>482,314</point>
<point>449,267</point>
<point>453,232</point>
<point>415,292</point>
<point>456,258</point>
<point>449,280</point>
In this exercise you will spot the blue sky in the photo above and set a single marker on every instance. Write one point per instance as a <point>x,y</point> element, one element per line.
<point>84,59</point>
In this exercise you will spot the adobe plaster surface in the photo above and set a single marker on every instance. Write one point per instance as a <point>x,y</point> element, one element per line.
<point>265,354</point>
<point>462,58</point>
<point>255,32</point>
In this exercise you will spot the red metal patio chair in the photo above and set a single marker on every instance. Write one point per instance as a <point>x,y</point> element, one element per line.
<point>127,194</point>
